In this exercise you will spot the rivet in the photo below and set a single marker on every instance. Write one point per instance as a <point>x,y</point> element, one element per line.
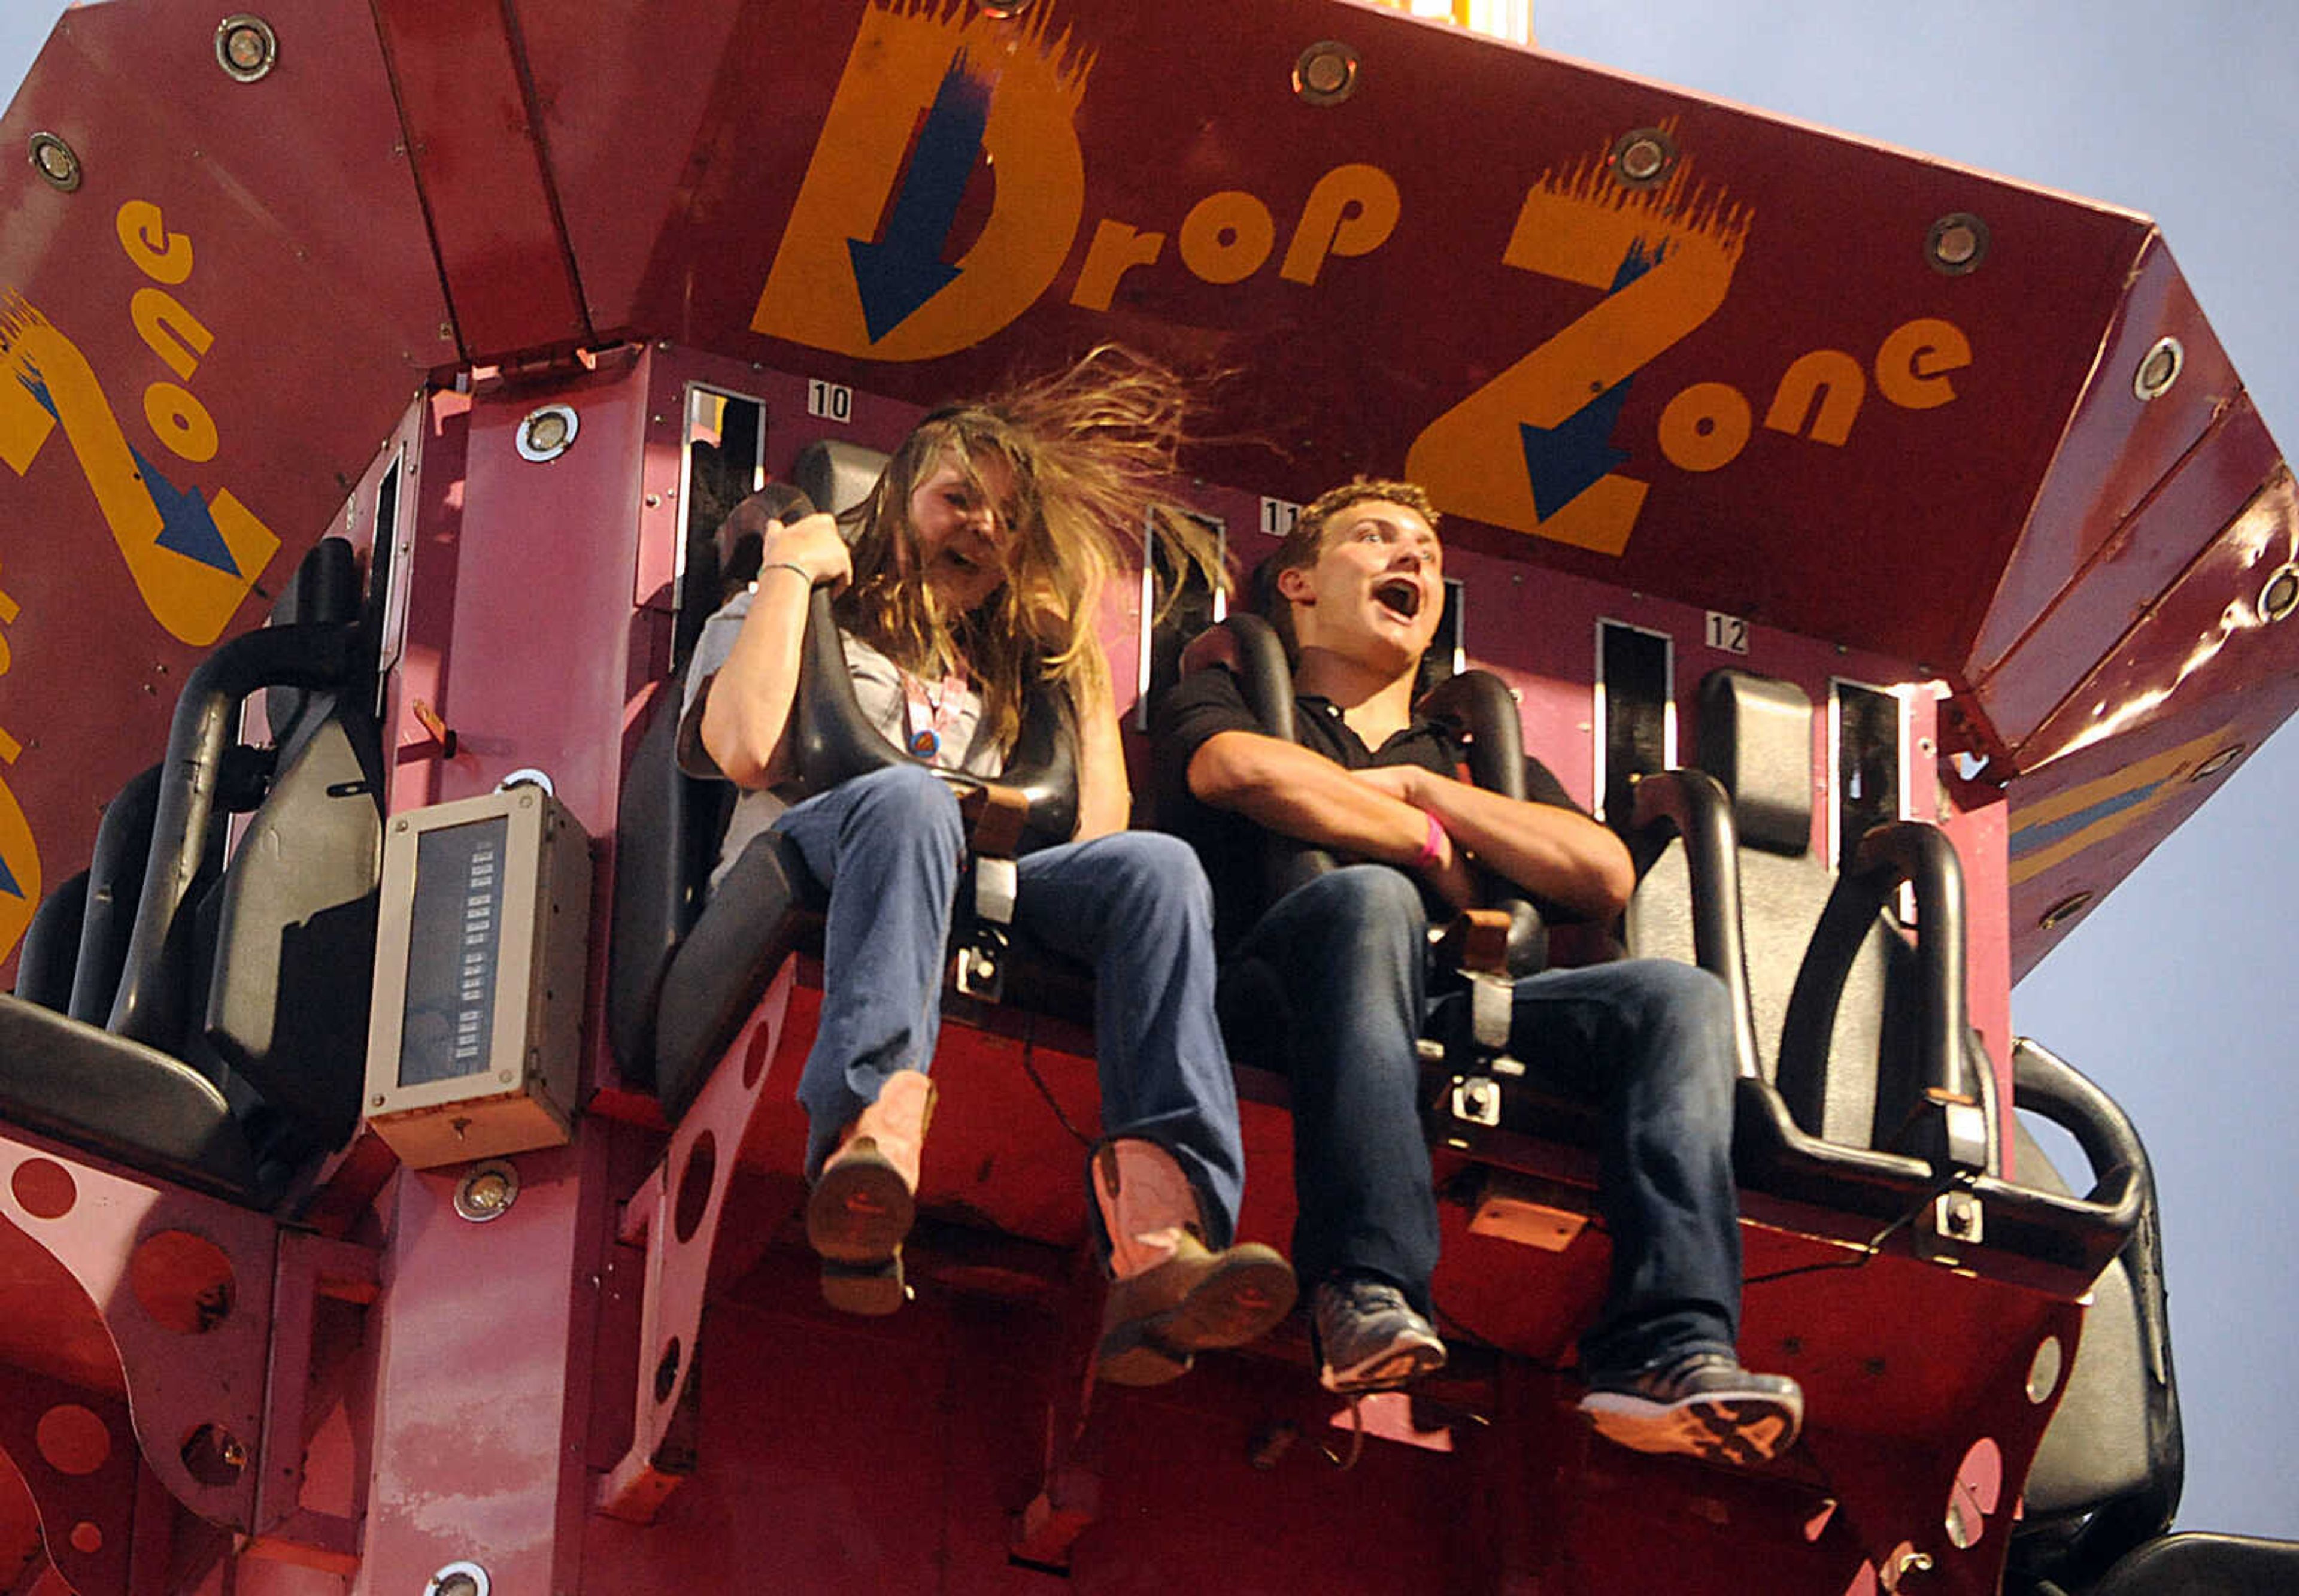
<point>2159,369</point>
<point>486,1192</point>
<point>247,48</point>
<point>2218,762</point>
<point>56,162</point>
<point>1642,157</point>
<point>2281,596</point>
<point>1326,72</point>
<point>1956,243</point>
<point>2065,910</point>
<point>548,433</point>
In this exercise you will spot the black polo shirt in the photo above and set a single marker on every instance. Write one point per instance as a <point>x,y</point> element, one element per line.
<point>1208,703</point>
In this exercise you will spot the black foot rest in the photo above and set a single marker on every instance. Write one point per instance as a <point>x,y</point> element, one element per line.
<point>120,1099</point>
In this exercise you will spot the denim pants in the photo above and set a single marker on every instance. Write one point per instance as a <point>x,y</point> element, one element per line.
<point>1344,958</point>
<point>1134,905</point>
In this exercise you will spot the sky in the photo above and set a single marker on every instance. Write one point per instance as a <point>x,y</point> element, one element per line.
<point>2167,995</point>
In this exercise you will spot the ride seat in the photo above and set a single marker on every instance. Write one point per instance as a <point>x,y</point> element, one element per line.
<point>2107,1475</point>
<point>688,972</point>
<point>233,1006</point>
<point>1909,1125</point>
<point>1856,1088</point>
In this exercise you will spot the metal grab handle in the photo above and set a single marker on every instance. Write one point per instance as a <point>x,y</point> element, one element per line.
<point>1902,851</point>
<point>150,1005</point>
<point>1696,804</point>
<point>834,740</point>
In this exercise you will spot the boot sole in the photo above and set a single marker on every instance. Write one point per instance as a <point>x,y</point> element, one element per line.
<point>1239,1300</point>
<point>860,1210</point>
<point>873,1289</point>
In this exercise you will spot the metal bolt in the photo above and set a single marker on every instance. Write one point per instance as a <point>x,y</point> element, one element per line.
<point>1956,243</point>
<point>1642,157</point>
<point>55,162</point>
<point>2159,369</point>
<point>247,48</point>
<point>2065,910</point>
<point>1326,74</point>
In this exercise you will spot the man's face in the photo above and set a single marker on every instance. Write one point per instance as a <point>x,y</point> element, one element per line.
<point>1377,591</point>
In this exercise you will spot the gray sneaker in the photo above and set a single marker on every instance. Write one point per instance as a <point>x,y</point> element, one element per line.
<point>1702,1405</point>
<point>1369,1338</point>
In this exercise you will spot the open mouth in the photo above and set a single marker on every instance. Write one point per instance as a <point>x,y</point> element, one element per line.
<point>1400,595</point>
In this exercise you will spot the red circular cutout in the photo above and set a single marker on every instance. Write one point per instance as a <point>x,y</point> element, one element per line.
<point>44,1188</point>
<point>184,1281</point>
<point>73,1439</point>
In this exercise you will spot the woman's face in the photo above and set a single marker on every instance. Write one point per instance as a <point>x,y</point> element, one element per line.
<point>962,543</point>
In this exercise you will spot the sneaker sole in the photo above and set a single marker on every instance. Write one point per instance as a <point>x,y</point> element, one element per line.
<point>1389,1372</point>
<point>860,1210</point>
<point>1721,1428</point>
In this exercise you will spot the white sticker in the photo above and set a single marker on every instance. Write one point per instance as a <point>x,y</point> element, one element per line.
<point>1278,516</point>
<point>1728,632</point>
<point>832,401</point>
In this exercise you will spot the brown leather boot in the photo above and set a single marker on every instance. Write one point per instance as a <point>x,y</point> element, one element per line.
<point>863,1201</point>
<point>1170,1297</point>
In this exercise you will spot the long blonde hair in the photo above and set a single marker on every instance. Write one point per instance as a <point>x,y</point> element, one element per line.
<point>1084,449</point>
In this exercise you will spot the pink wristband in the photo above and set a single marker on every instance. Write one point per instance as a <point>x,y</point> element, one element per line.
<point>1431,845</point>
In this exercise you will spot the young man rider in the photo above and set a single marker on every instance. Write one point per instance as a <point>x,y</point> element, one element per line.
<point>1341,962</point>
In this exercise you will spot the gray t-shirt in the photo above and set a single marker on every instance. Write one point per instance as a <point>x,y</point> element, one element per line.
<point>879,693</point>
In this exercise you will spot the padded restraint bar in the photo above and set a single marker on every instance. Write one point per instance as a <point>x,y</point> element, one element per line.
<point>151,1002</point>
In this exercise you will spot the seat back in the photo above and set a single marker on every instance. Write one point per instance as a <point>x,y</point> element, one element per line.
<point>294,961</point>
<point>667,831</point>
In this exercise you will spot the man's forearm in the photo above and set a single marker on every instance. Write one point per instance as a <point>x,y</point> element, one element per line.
<point>1287,789</point>
<point>1552,853</point>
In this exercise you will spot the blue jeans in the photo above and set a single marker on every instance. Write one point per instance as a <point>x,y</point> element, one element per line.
<point>1133,905</point>
<point>1341,962</point>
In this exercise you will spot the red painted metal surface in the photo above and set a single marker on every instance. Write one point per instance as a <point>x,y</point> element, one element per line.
<point>467,111</point>
<point>1152,178</point>
<point>1744,390</point>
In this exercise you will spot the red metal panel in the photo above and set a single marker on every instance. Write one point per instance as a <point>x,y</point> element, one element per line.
<point>2117,450</point>
<point>311,153</point>
<point>543,594</point>
<point>2200,674</point>
<point>477,1449</point>
<point>2144,558</point>
<point>187,458</point>
<point>2201,646</point>
<point>1190,103</point>
<point>464,101</point>
<point>622,89</point>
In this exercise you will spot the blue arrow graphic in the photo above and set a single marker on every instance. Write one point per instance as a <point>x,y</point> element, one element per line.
<point>187,526</point>
<point>1565,460</point>
<point>8,882</point>
<point>902,271</point>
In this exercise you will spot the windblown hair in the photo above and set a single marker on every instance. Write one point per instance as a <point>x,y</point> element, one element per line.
<point>1305,545</point>
<point>1085,450</point>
